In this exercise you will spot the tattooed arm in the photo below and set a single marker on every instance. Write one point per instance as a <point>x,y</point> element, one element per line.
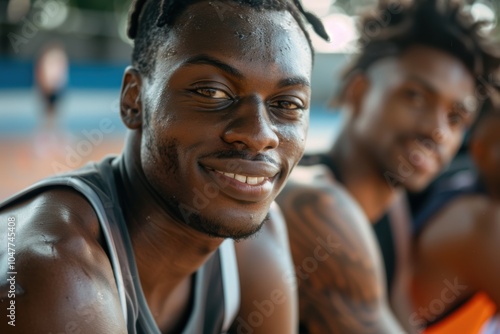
<point>337,262</point>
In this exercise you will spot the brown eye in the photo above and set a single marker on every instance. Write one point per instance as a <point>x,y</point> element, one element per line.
<point>459,115</point>
<point>213,93</point>
<point>459,119</point>
<point>287,105</point>
<point>455,119</point>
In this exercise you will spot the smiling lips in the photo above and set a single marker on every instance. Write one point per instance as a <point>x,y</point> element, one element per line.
<point>243,180</point>
<point>251,180</point>
<point>423,158</point>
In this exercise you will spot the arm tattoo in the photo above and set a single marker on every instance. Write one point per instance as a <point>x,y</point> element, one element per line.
<point>340,285</point>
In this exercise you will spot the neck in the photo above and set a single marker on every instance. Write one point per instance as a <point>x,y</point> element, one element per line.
<point>158,239</point>
<point>361,177</point>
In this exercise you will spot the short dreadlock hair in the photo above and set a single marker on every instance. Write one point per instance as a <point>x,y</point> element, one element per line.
<point>395,26</point>
<point>151,20</point>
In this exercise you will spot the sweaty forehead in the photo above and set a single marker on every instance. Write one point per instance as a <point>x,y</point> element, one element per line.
<point>230,30</point>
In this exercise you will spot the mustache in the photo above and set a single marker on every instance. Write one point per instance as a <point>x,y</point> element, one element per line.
<point>243,155</point>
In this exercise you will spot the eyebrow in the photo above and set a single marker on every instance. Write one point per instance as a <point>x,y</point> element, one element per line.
<point>427,85</point>
<point>207,60</point>
<point>204,59</point>
<point>434,90</point>
<point>296,81</point>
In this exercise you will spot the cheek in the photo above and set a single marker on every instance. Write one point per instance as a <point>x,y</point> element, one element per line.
<point>187,128</point>
<point>160,155</point>
<point>161,144</point>
<point>378,117</point>
<point>293,141</point>
<point>376,129</point>
<point>451,145</point>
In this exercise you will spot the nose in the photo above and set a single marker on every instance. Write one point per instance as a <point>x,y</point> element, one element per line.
<point>435,122</point>
<point>251,128</point>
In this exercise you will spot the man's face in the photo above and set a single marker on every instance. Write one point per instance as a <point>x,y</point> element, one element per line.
<point>227,111</point>
<point>414,114</point>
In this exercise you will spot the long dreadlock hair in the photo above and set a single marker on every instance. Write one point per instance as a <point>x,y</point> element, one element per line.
<point>150,21</point>
<point>394,26</point>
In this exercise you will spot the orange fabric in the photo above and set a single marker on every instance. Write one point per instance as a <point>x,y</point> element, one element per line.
<point>468,319</point>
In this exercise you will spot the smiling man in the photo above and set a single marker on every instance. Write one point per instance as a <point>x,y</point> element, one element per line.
<point>408,98</point>
<point>216,103</point>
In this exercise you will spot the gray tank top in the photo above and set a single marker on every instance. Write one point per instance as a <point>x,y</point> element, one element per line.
<point>216,284</point>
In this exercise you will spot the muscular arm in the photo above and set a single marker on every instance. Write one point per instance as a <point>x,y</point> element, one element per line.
<point>338,265</point>
<point>64,281</point>
<point>400,299</point>
<point>268,293</point>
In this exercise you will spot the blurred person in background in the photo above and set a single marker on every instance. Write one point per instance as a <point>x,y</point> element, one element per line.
<point>409,97</point>
<point>216,104</point>
<point>455,283</point>
<point>51,77</point>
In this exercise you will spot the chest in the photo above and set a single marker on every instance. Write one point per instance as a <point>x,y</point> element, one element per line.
<point>171,311</point>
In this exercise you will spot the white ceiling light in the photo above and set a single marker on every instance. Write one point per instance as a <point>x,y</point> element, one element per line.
<point>50,14</point>
<point>482,11</point>
<point>343,34</point>
<point>318,7</point>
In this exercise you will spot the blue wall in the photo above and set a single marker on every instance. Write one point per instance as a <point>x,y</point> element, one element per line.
<point>16,74</point>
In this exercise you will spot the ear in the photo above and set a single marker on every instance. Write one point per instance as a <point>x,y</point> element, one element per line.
<point>131,110</point>
<point>355,91</point>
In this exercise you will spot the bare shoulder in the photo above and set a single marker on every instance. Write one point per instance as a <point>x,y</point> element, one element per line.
<point>464,238</point>
<point>316,207</point>
<point>269,301</point>
<point>336,257</point>
<point>466,220</point>
<point>275,228</point>
<point>307,175</point>
<point>60,275</point>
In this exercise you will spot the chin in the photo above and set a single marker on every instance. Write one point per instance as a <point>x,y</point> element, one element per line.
<point>240,222</point>
<point>237,228</point>
<point>417,183</point>
<point>233,223</point>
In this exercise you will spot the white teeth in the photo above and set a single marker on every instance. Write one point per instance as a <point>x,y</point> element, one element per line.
<point>251,180</point>
<point>241,178</point>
